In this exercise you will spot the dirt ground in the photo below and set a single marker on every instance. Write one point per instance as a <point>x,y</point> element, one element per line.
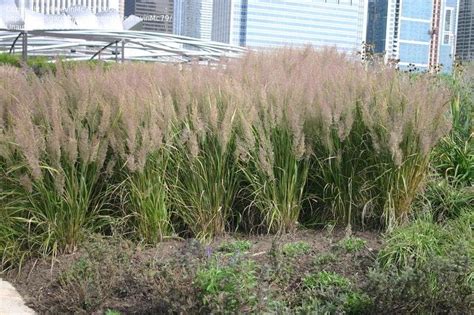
<point>113,274</point>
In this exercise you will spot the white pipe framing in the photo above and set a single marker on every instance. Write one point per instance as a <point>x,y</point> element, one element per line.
<point>139,46</point>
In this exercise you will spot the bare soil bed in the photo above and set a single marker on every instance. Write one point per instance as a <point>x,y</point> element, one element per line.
<point>114,274</point>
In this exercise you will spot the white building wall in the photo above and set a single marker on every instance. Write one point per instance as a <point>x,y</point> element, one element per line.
<point>56,6</point>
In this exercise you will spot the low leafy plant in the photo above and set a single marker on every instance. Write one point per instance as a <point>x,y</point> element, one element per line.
<point>296,249</point>
<point>227,287</point>
<point>326,279</point>
<point>92,279</point>
<point>329,292</point>
<point>352,244</point>
<point>357,303</point>
<point>440,285</point>
<point>412,245</point>
<point>239,246</point>
<point>325,259</point>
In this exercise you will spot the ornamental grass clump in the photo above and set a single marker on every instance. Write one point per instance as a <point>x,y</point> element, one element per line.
<point>371,133</point>
<point>140,155</point>
<point>366,135</point>
<point>204,179</point>
<point>147,199</point>
<point>54,145</point>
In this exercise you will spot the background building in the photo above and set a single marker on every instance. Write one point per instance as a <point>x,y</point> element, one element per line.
<point>260,24</point>
<point>465,34</point>
<point>56,6</point>
<point>157,15</point>
<point>193,18</point>
<point>121,7</point>
<point>129,7</point>
<point>377,24</point>
<point>418,33</point>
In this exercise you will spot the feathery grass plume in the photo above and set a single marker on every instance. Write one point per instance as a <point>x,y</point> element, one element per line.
<point>204,185</point>
<point>415,117</point>
<point>294,122</point>
<point>143,123</point>
<point>204,167</point>
<point>277,178</point>
<point>277,168</point>
<point>370,133</point>
<point>63,198</point>
<point>453,158</point>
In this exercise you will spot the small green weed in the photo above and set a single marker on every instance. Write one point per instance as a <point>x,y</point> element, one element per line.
<point>227,286</point>
<point>326,279</point>
<point>236,246</point>
<point>112,312</point>
<point>296,249</point>
<point>324,259</point>
<point>331,293</point>
<point>352,244</point>
<point>357,303</point>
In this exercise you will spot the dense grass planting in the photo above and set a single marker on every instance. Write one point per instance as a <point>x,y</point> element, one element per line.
<point>107,162</point>
<point>253,144</point>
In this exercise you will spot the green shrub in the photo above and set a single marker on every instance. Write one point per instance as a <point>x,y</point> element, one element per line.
<point>460,231</point>
<point>426,267</point>
<point>8,59</point>
<point>39,65</point>
<point>453,157</point>
<point>446,200</point>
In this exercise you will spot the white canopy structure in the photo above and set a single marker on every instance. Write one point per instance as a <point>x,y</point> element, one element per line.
<point>116,46</point>
<point>76,33</point>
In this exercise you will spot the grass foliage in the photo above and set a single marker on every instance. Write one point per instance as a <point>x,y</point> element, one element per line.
<point>260,143</point>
